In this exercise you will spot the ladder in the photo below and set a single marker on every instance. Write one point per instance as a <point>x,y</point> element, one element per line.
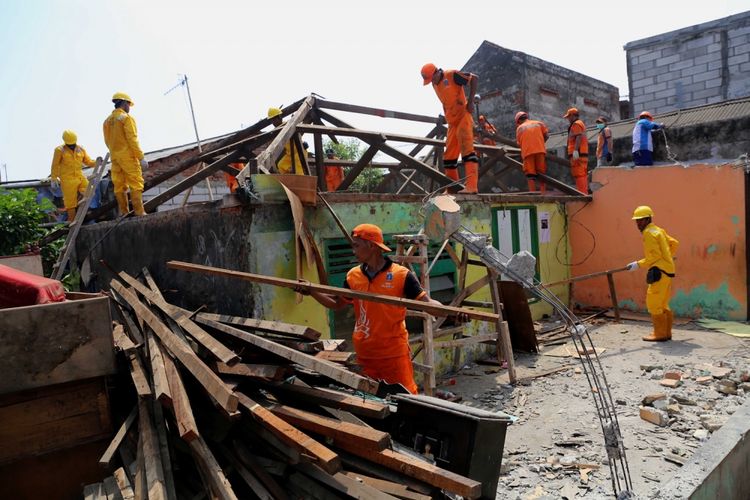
<point>75,225</point>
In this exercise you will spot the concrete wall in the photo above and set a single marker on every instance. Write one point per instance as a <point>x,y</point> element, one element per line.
<point>702,206</point>
<point>698,65</point>
<point>259,239</point>
<point>511,81</point>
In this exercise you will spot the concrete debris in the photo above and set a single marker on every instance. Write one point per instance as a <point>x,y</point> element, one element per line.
<point>726,386</point>
<point>648,400</point>
<point>705,380</point>
<point>713,424</point>
<point>683,400</point>
<point>670,382</point>
<point>661,404</point>
<point>701,434</point>
<point>650,368</point>
<point>657,417</point>
<point>522,265</point>
<point>719,371</point>
<point>673,374</point>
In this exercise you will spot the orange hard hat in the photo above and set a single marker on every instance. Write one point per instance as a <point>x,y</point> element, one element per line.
<point>570,112</point>
<point>370,232</point>
<point>482,118</point>
<point>646,114</point>
<point>428,70</point>
<point>521,114</point>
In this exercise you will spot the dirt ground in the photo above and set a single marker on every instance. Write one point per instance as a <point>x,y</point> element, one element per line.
<point>558,435</point>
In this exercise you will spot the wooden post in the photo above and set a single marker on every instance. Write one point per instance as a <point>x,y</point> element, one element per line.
<point>504,345</point>
<point>613,294</point>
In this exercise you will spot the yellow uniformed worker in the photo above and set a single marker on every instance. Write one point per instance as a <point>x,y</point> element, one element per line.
<point>67,172</point>
<point>121,137</point>
<point>290,162</point>
<point>658,249</point>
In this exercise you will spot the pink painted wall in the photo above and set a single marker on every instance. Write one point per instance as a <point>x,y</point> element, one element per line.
<point>702,206</point>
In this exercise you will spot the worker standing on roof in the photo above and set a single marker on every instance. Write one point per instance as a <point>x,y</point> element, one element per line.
<point>643,143</point>
<point>658,249</point>
<point>604,143</point>
<point>578,150</point>
<point>486,132</point>
<point>128,160</point>
<point>531,136</point>
<point>449,87</point>
<point>67,173</point>
<point>290,162</point>
<point>334,173</point>
<point>380,338</point>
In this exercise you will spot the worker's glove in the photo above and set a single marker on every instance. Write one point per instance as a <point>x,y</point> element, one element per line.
<point>633,266</point>
<point>144,163</point>
<point>55,184</point>
<point>609,157</point>
<point>576,155</point>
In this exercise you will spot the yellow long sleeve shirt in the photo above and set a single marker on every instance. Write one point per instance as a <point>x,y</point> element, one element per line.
<point>67,163</point>
<point>121,136</point>
<point>658,249</point>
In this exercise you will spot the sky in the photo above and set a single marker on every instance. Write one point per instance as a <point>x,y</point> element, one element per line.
<point>62,61</point>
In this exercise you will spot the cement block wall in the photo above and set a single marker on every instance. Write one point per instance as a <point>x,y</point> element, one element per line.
<point>511,81</point>
<point>698,65</point>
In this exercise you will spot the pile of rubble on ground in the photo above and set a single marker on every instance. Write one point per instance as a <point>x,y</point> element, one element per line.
<point>215,414</point>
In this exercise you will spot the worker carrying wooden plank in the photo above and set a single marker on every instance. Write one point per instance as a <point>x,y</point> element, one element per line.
<point>658,249</point>
<point>449,87</point>
<point>67,173</point>
<point>380,338</point>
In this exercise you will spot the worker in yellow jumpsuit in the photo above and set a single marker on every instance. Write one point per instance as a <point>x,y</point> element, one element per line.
<point>67,161</point>
<point>290,162</point>
<point>121,137</point>
<point>658,249</point>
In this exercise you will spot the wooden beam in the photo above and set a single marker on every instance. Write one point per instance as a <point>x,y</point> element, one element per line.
<point>361,164</point>
<point>258,489</point>
<point>207,378</point>
<point>586,276</point>
<point>221,352</point>
<point>183,413</point>
<point>123,484</point>
<point>420,470</point>
<point>330,370</point>
<point>158,372</point>
<point>344,484</point>
<point>333,399</point>
<point>106,459</point>
<point>153,465</point>
<point>383,113</point>
<point>396,489</point>
<point>291,436</point>
<point>417,305</point>
<point>250,462</point>
<point>160,427</point>
<point>274,327</point>
<point>211,469</point>
<point>336,356</point>
<point>264,372</point>
<point>369,134</point>
<point>138,374</point>
<point>475,339</point>
<point>358,436</point>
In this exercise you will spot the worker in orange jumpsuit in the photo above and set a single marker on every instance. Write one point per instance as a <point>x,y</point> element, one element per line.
<point>128,160</point>
<point>658,249</point>
<point>231,179</point>
<point>67,173</point>
<point>578,150</point>
<point>380,338</point>
<point>290,162</point>
<point>449,87</point>
<point>531,136</point>
<point>334,173</point>
<point>486,131</point>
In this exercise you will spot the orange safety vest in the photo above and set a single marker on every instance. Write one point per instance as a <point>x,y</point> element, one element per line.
<point>576,128</point>
<point>530,137</point>
<point>452,95</point>
<point>380,331</point>
<point>490,129</point>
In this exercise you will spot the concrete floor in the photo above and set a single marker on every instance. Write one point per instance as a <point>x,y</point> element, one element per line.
<point>558,408</point>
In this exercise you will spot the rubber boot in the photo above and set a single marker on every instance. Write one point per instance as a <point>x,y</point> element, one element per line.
<point>660,328</point>
<point>472,177</point>
<point>451,173</point>
<point>136,198</point>
<point>542,187</point>
<point>71,215</point>
<point>122,202</point>
<point>532,184</point>
<point>670,319</point>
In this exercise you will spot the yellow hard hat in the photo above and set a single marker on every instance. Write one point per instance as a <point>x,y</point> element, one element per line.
<point>273,112</point>
<point>69,137</point>
<point>642,212</point>
<point>122,96</point>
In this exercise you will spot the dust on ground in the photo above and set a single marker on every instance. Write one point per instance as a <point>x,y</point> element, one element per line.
<point>556,450</point>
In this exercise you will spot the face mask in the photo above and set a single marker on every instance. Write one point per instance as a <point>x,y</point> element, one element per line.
<point>599,126</point>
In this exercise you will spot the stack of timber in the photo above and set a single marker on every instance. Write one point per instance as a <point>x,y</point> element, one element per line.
<point>220,409</point>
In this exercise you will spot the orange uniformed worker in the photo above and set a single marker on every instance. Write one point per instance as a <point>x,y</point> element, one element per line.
<point>380,338</point>
<point>334,173</point>
<point>290,162</point>
<point>578,150</point>
<point>449,87</point>
<point>67,161</point>
<point>486,131</point>
<point>531,136</point>
<point>128,160</point>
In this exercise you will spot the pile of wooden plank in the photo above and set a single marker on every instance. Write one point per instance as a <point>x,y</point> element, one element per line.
<point>220,410</point>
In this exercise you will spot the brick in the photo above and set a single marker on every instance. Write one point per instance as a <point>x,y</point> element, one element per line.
<point>653,397</point>
<point>659,70</point>
<point>673,374</point>
<point>705,94</point>
<point>650,56</point>
<point>714,64</point>
<point>740,49</point>
<point>643,83</point>
<point>712,84</point>
<point>663,94</point>
<point>695,69</point>
<point>642,66</point>
<point>708,75</point>
<point>671,383</point>
<point>703,41</point>
<point>704,380</point>
<point>738,32</point>
<point>738,59</point>
<point>666,61</point>
<point>714,47</point>
<point>680,65</point>
<point>657,87</point>
<point>708,58</point>
<point>654,416</point>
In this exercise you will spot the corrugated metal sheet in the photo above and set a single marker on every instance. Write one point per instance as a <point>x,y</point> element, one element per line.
<point>727,110</point>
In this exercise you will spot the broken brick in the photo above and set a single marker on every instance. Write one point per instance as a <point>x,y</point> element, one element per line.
<point>670,382</point>
<point>673,374</point>
<point>704,380</point>
<point>653,397</point>
<point>654,416</point>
